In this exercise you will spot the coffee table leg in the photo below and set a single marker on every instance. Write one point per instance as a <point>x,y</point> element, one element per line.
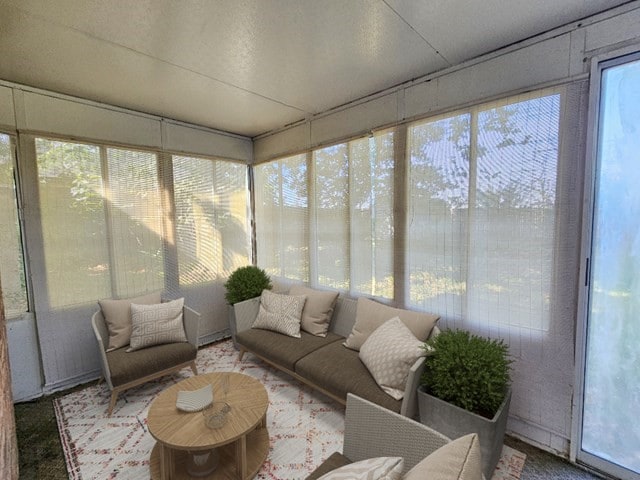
<point>241,457</point>
<point>166,462</point>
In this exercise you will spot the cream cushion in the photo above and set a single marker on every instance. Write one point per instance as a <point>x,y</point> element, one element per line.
<point>379,468</point>
<point>156,324</point>
<point>317,311</point>
<point>280,313</point>
<point>457,460</point>
<point>370,315</point>
<point>117,316</point>
<point>389,353</point>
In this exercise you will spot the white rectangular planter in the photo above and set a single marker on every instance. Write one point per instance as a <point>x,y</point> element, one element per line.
<point>454,422</point>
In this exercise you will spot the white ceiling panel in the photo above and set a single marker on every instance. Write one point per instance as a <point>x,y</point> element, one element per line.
<point>250,66</point>
<point>461,29</point>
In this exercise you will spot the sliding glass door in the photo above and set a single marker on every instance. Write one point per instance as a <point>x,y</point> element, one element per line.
<point>610,431</point>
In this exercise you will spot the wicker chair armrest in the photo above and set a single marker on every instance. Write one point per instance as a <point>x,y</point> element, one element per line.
<point>191,320</point>
<point>409,407</point>
<point>373,431</point>
<point>102,336</point>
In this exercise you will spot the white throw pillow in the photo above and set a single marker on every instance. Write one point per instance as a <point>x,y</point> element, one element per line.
<point>380,468</point>
<point>389,353</point>
<point>280,313</point>
<point>457,460</point>
<point>156,324</point>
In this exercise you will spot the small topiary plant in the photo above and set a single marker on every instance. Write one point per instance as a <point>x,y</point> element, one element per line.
<point>245,283</point>
<point>468,371</point>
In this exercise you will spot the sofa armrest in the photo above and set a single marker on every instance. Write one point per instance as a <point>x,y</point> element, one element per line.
<point>409,407</point>
<point>246,312</point>
<point>191,320</point>
<point>374,431</point>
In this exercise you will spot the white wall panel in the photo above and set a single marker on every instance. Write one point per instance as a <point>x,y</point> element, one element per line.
<point>181,138</point>
<point>613,31</point>
<point>354,120</point>
<point>51,114</point>
<point>534,65</point>
<point>26,376</point>
<point>291,140</point>
<point>7,118</point>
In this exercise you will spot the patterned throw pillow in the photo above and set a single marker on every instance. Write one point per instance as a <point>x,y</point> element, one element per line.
<point>117,316</point>
<point>457,460</point>
<point>280,313</point>
<point>156,324</point>
<point>380,468</point>
<point>389,353</point>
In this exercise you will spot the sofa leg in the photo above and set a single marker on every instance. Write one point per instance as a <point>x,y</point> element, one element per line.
<point>241,354</point>
<point>194,368</point>
<point>112,402</point>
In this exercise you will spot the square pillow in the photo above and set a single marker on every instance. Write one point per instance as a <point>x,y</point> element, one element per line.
<point>389,353</point>
<point>380,468</point>
<point>370,315</point>
<point>317,311</point>
<point>156,324</point>
<point>457,460</point>
<point>280,313</point>
<point>117,316</point>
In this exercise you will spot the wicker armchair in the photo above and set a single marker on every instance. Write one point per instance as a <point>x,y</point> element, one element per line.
<point>123,370</point>
<point>373,431</point>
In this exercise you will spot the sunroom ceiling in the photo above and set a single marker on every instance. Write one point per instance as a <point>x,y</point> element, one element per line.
<point>250,66</point>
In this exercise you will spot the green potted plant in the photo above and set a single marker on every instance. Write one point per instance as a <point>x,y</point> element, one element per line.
<point>465,388</point>
<point>244,284</point>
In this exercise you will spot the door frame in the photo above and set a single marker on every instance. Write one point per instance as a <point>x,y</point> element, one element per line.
<point>598,64</point>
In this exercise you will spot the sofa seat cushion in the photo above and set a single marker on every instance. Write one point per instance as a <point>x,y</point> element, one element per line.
<point>339,371</point>
<point>126,366</point>
<point>336,460</point>
<point>281,349</point>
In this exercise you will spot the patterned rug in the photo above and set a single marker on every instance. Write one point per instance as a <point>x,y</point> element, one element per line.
<point>305,427</point>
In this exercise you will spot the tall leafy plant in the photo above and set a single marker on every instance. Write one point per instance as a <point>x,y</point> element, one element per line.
<point>468,371</point>
<point>245,283</point>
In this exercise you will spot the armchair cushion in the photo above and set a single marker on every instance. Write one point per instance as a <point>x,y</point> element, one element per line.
<point>117,316</point>
<point>156,324</point>
<point>336,460</point>
<point>458,460</point>
<point>126,366</point>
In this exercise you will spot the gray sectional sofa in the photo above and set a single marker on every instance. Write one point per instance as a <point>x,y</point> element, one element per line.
<point>324,363</point>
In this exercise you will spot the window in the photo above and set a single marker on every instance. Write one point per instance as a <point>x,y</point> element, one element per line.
<point>14,290</point>
<point>328,219</point>
<point>110,229</point>
<point>481,226</point>
<point>211,201</point>
<point>282,218</point>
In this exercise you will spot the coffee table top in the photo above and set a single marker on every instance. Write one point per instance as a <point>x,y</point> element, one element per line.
<point>187,431</point>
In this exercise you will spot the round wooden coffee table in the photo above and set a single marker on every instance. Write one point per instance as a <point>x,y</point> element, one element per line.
<point>242,444</point>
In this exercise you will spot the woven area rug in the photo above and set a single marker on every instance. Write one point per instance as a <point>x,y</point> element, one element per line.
<point>305,427</point>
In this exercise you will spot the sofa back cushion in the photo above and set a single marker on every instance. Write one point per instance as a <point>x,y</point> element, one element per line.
<point>370,315</point>
<point>317,310</point>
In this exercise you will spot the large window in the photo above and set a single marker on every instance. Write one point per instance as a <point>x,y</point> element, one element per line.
<point>211,201</point>
<point>111,230</point>
<point>481,226</point>
<point>14,290</point>
<point>327,218</point>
